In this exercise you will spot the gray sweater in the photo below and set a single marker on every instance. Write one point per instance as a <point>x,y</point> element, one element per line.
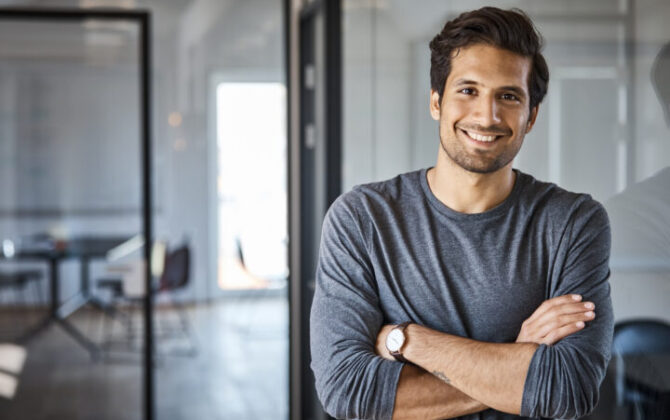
<point>392,252</point>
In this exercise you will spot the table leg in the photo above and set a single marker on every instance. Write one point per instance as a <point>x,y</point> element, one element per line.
<point>80,338</point>
<point>54,316</point>
<point>93,300</point>
<point>54,291</point>
<point>53,304</point>
<point>84,271</point>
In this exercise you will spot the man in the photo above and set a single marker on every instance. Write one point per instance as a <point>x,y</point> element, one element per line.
<point>498,275</point>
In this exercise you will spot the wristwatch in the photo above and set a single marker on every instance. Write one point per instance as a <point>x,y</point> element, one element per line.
<point>395,340</point>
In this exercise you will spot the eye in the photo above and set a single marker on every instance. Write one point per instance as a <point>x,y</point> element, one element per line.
<point>467,91</point>
<point>509,97</point>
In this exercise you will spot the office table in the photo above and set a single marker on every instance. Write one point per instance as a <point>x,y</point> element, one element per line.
<point>84,249</point>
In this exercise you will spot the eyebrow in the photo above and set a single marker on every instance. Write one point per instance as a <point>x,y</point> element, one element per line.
<point>461,82</point>
<point>514,89</point>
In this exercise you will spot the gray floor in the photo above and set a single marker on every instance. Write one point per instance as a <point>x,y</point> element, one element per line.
<point>240,370</point>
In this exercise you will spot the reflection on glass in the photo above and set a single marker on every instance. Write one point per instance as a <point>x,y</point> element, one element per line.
<point>640,214</point>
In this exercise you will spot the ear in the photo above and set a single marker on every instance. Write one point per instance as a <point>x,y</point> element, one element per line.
<point>531,118</point>
<point>435,105</point>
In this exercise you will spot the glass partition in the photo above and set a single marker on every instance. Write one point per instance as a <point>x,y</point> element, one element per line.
<point>221,155</point>
<point>219,269</point>
<point>70,214</point>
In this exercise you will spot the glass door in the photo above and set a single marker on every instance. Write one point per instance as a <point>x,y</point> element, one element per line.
<point>74,148</point>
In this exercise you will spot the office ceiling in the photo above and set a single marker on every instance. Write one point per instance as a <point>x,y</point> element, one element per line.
<point>93,41</point>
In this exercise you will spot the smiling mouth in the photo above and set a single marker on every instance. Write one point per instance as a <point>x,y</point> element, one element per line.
<point>481,138</point>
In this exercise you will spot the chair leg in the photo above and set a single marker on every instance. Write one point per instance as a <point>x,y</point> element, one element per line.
<point>111,313</point>
<point>5,331</point>
<point>34,299</point>
<point>188,331</point>
<point>105,332</point>
<point>185,331</point>
<point>21,307</point>
<point>134,328</point>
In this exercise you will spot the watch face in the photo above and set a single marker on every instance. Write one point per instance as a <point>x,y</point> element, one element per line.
<point>394,340</point>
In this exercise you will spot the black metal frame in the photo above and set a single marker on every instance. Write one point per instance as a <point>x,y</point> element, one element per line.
<point>304,402</point>
<point>333,52</point>
<point>288,32</point>
<point>143,19</point>
<point>308,217</point>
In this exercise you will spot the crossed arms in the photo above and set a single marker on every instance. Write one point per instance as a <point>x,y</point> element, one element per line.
<point>464,372</point>
<point>553,370</point>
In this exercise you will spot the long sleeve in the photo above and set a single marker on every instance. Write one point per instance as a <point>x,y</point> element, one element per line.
<point>563,379</point>
<point>351,381</point>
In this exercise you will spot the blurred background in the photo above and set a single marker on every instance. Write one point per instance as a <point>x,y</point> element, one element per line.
<point>263,111</point>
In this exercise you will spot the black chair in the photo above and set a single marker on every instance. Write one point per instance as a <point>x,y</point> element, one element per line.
<point>175,276</point>
<point>18,281</point>
<point>641,352</point>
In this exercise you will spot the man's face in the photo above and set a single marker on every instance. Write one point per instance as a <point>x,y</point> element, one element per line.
<point>484,114</point>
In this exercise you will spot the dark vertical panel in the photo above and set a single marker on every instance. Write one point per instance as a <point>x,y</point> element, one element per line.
<point>145,87</point>
<point>319,167</point>
<point>307,210</point>
<point>288,53</point>
<point>333,97</point>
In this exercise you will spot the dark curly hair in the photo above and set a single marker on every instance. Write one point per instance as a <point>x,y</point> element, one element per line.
<point>507,29</point>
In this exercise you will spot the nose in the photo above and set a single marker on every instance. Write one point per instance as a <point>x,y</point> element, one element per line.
<point>486,110</point>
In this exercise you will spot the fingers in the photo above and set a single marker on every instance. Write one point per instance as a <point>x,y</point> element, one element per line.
<point>558,334</point>
<point>558,313</point>
<point>562,321</point>
<point>556,318</point>
<point>548,304</point>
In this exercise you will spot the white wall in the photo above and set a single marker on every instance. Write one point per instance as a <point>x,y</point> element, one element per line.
<point>377,89</point>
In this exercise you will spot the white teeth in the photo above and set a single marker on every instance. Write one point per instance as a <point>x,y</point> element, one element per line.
<point>480,137</point>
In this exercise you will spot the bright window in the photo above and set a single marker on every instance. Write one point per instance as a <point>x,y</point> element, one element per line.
<point>251,140</point>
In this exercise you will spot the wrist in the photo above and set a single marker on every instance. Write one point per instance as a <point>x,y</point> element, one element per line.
<point>412,337</point>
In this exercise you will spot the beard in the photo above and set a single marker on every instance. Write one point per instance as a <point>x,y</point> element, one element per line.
<point>479,161</point>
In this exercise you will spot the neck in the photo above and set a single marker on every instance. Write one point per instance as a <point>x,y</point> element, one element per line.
<point>469,192</point>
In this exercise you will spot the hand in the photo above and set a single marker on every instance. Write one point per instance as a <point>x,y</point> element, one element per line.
<point>556,319</point>
<point>380,346</point>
